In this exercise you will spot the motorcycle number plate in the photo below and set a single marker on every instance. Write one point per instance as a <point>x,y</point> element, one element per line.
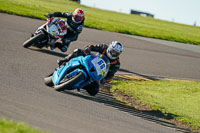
<point>53,30</point>
<point>100,65</point>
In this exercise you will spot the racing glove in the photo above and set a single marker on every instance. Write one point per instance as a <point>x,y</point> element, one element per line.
<point>60,62</point>
<point>87,51</point>
<point>49,15</point>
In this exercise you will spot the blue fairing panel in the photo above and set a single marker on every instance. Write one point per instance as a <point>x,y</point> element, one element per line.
<point>93,65</point>
<point>61,72</point>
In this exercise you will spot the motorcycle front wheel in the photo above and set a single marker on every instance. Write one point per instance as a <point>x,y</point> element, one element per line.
<point>69,83</point>
<point>33,40</point>
<point>48,81</point>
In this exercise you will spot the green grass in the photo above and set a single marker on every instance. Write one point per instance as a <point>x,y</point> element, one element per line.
<point>181,98</point>
<point>7,126</point>
<point>107,20</point>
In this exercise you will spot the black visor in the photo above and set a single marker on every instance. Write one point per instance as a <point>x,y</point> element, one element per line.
<point>114,53</point>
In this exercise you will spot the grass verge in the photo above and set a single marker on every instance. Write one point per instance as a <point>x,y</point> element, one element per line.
<point>180,98</point>
<point>7,126</point>
<point>107,20</point>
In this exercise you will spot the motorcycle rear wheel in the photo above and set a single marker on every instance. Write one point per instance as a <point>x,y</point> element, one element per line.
<point>33,40</point>
<point>70,82</point>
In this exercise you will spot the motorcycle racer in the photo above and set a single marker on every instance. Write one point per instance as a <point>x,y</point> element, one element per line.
<point>112,51</point>
<point>74,23</point>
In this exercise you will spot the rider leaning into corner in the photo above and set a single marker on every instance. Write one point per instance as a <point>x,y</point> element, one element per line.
<point>112,51</point>
<point>74,25</point>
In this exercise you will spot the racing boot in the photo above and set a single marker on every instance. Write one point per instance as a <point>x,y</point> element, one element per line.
<point>64,45</point>
<point>53,45</point>
<point>57,44</point>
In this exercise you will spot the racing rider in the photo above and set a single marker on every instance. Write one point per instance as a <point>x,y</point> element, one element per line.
<point>112,51</point>
<point>74,25</point>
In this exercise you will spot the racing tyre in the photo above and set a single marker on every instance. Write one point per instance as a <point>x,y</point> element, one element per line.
<point>33,40</point>
<point>69,82</point>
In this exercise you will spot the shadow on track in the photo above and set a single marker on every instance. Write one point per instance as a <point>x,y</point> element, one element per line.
<point>141,75</point>
<point>108,99</point>
<point>46,51</point>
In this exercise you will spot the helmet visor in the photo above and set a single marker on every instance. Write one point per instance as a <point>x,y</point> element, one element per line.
<point>77,18</point>
<point>114,53</point>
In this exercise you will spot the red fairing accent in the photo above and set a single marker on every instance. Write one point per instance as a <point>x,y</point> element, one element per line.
<point>49,20</point>
<point>62,25</point>
<point>63,28</point>
<point>59,36</point>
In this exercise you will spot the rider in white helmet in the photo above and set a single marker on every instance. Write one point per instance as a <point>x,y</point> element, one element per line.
<point>112,51</point>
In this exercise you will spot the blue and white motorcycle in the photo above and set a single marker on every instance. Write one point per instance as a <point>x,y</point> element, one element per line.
<point>79,72</point>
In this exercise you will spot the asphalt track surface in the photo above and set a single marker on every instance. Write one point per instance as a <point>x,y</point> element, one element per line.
<point>24,97</point>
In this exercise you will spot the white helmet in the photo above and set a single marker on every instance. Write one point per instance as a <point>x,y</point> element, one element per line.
<point>114,50</point>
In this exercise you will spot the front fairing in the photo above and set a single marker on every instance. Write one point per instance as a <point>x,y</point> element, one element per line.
<point>92,68</point>
<point>60,73</point>
<point>56,27</point>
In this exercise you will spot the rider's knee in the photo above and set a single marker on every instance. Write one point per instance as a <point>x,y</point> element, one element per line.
<point>92,88</point>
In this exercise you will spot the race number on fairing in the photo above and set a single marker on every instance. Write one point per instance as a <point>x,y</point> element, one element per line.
<point>100,65</point>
